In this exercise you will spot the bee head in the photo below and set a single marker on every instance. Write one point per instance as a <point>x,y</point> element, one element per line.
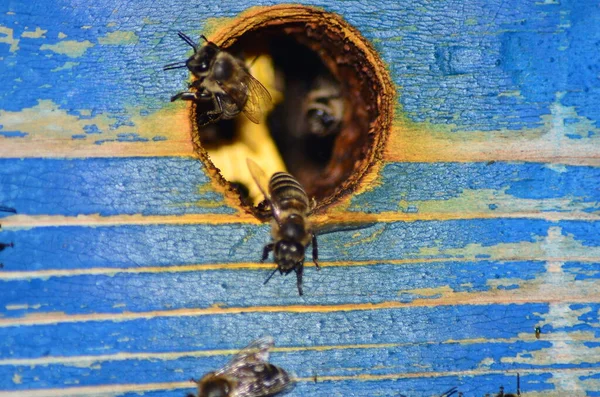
<point>216,387</point>
<point>199,63</point>
<point>321,122</point>
<point>288,254</point>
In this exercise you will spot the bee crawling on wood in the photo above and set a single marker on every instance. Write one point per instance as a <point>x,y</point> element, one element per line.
<point>223,79</point>
<point>292,231</point>
<point>248,374</point>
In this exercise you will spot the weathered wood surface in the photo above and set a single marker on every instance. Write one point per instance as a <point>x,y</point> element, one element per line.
<point>131,273</point>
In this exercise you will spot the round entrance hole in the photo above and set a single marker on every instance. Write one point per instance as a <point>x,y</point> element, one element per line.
<point>333,103</point>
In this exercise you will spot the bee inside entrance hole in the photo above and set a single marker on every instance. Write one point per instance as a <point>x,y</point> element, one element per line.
<point>332,103</point>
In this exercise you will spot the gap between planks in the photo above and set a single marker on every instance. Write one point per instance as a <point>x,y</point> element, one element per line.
<point>80,360</point>
<point>164,386</point>
<point>358,219</point>
<point>471,299</point>
<point>6,275</point>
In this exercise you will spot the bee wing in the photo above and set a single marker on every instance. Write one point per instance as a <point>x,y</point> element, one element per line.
<point>320,228</point>
<point>262,181</point>
<point>259,99</point>
<point>254,375</point>
<point>257,351</point>
<point>259,380</point>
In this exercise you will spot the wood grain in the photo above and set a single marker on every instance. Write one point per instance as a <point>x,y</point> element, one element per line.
<point>131,272</point>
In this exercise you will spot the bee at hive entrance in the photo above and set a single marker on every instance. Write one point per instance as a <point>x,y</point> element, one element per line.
<point>330,102</point>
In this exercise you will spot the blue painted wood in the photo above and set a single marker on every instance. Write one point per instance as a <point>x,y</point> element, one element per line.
<point>221,331</point>
<point>173,186</point>
<point>75,247</point>
<point>108,186</point>
<point>495,70</point>
<point>198,288</point>
<point>433,358</point>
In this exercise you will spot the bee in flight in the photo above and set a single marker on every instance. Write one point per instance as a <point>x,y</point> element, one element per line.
<point>291,230</point>
<point>248,374</point>
<point>223,79</point>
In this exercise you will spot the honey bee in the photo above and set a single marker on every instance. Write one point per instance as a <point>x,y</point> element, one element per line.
<point>291,230</point>
<point>248,374</point>
<point>223,79</point>
<point>324,107</point>
<point>538,332</point>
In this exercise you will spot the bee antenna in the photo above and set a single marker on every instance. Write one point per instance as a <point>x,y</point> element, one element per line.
<point>187,39</point>
<point>203,37</point>
<point>271,275</point>
<point>175,65</point>
<point>518,384</point>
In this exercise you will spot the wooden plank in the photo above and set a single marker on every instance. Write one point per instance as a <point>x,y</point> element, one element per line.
<point>131,272</point>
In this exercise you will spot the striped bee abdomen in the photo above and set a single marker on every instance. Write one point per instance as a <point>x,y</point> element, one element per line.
<point>288,192</point>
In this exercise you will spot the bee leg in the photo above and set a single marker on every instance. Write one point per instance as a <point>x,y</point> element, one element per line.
<point>186,96</point>
<point>3,246</point>
<point>268,248</point>
<point>315,251</point>
<point>299,270</point>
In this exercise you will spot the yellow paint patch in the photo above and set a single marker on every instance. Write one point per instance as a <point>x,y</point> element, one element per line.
<point>211,25</point>
<point>61,35</point>
<point>50,129</point>
<point>70,48</point>
<point>38,33</point>
<point>7,36</point>
<point>424,142</point>
<point>119,38</point>
<point>478,201</point>
<point>17,379</point>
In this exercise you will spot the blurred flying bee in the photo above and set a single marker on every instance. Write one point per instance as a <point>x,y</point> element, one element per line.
<point>502,394</point>
<point>248,374</point>
<point>324,107</point>
<point>223,79</point>
<point>291,230</point>
<point>538,332</point>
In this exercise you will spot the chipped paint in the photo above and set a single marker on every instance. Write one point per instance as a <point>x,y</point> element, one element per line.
<point>119,38</point>
<point>66,66</point>
<point>425,142</point>
<point>48,122</point>
<point>7,37</point>
<point>70,48</point>
<point>38,33</point>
